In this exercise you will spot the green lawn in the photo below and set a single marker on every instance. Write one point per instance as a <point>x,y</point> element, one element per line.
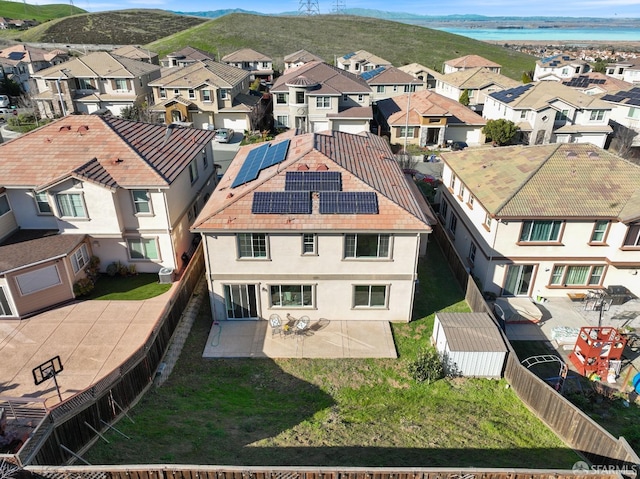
<point>346,412</point>
<point>136,287</point>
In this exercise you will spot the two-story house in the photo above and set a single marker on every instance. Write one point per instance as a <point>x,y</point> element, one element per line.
<point>137,53</point>
<point>470,61</point>
<point>596,83</point>
<point>625,118</point>
<point>317,96</point>
<point>259,65</point>
<point>627,70</point>
<point>185,57</point>
<point>318,224</point>
<point>86,185</point>
<point>559,67</point>
<point>361,61</point>
<point>422,73</point>
<point>544,220</point>
<point>425,118</point>
<point>549,112</point>
<point>387,82</point>
<point>94,82</point>
<point>27,60</point>
<point>477,82</point>
<point>205,94</point>
<point>299,58</point>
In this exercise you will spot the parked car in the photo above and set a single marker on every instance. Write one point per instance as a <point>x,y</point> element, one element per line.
<point>4,101</point>
<point>419,176</point>
<point>458,145</point>
<point>5,113</point>
<point>223,135</point>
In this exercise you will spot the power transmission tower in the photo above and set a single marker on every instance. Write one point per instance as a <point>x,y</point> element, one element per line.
<point>339,6</point>
<point>309,7</point>
<point>71,6</point>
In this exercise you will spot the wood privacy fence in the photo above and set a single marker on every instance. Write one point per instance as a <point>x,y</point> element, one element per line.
<point>72,424</point>
<point>573,426</point>
<point>258,472</point>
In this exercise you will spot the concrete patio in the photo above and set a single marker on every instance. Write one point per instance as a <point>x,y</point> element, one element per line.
<point>323,339</point>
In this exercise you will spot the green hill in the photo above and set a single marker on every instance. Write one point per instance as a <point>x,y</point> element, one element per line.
<point>121,27</point>
<point>335,35</point>
<point>41,13</point>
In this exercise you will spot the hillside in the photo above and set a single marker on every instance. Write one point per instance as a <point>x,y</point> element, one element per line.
<point>331,35</point>
<point>114,27</point>
<point>41,13</point>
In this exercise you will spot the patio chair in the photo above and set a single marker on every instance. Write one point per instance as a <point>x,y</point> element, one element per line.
<point>301,325</point>
<point>276,325</point>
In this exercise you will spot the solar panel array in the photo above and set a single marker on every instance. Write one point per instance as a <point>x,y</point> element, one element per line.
<point>258,159</point>
<point>349,55</point>
<point>313,181</point>
<point>630,97</point>
<point>583,81</point>
<point>348,202</point>
<point>366,76</point>
<point>281,202</point>
<point>512,94</point>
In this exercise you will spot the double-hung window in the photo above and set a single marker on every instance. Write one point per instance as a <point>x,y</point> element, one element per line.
<point>299,97</point>
<point>163,93</point>
<point>71,205</point>
<point>121,84</point>
<point>323,102</point>
<point>42,203</point>
<point>633,236</point>
<point>4,205</point>
<point>596,115</point>
<point>540,231</point>
<point>380,89</point>
<point>282,120</point>
<point>599,232</point>
<point>192,94</point>
<point>143,248</point>
<point>79,258</point>
<point>406,132</point>
<point>252,245</point>
<point>193,171</point>
<point>309,242</point>
<point>291,295</point>
<point>370,296</point>
<point>367,246</point>
<point>281,98</point>
<point>206,95</point>
<point>141,201</point>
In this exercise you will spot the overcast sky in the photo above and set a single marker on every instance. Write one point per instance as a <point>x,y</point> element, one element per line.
<point>571,8</point>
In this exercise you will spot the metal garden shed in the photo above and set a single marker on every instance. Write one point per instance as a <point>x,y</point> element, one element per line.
<point>472,342</point>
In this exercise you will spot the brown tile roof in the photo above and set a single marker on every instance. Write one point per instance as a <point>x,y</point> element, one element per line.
<point>103,149</point>
<point>550,181</point>
<point>246,55</point>
<point>365,162</point>
<point>134,52</point>
<point>28,53</point>
<point>362,112</point>
<point>331,80</point>
<point>302,56</point>
<point>424,104</point>
<point>540,94</point>
<point>204,72</point>
<point>191,53</point>
<point>28,247</point>
<point>597,79</point>
<point>559,60</point>
<point>99,65</point>
<point>417,69</point>
<point>393,76</point>
<point>471,61</point>
<point>363,56</point>
<point>478,78</point>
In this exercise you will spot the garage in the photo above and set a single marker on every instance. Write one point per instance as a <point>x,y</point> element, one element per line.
<point>351,126</point>
<point>472,344</point>
<point>236,122</point>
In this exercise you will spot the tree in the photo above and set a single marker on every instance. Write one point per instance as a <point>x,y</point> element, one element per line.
<point>526,77</point>
<point>599,66</point>
<point>464,98</point>
<point>500,131</point>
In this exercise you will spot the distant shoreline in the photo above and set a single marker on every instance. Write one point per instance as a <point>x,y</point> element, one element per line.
<point>620,44</point>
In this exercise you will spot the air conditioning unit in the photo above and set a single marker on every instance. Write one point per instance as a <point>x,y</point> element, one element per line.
<point>165,275</point>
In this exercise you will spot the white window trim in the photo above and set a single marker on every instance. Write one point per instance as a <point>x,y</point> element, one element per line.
<point>84,205</point>
<point>75,259</point>
<point>37,202</point>
<point>386,297</point>
<point>315,244</point>
<point>267,256</point>
<point>145,238</point>
<point>289,305</point>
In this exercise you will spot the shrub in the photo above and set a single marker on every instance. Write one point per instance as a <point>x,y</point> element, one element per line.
<point>427,367</point>
<point>83,286</point>
<point>92,268</point>
<point>112,269</point>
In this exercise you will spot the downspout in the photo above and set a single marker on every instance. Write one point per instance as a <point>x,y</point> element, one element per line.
<point>415,276</point>
<point>491,255</point>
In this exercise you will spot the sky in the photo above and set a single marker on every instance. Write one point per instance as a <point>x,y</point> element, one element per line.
<point>570,8</point>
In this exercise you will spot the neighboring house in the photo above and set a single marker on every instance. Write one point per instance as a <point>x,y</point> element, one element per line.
<point>470,61</point>
<point>361,61</point>
<point>260,66</point>
<point>559,67</point>
<point>319,224</point>
<point>627,70</point>
<point>97,81</point>
<point>206,94</point>
<point>425,118</point>
<point>25,60</point>
<point>299,58</point>
<point>186,57</point>
<point>136,53</point>
<point>625,118</point>
<point>478,82</point>
<point>317,96</point>
<point>131,188</point>
<point>544,220</point>
<point>549,112</point>
<point>595,83</point>
<point>426,75</point>
<point>388,82</point>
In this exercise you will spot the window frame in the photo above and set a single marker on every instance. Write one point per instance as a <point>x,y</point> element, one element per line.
<point>281,98</point>
<point>162,92</point>
<point>118,83</point>
<point>191,94</point>
<point>633,230</point>
<point>143,241</point>
<point>136,202</point>
<point>255,240</point>
<point>557,240</point>
<point>605,233</point>
<point>354,302</point>
<point>279,121</point>
<point>323,102</point>
<point>562,270</point>
<point>453,225</point>
<point>403,131</point>
<point>300,98</point>
<point>40,202</point>
<point>352,238</point>
<point>380,88</point>
<point>276,289</point>
<point>473,250</point>
<point>312,241</point>
<point>7,209</point>
<point>79,258</point>
<point>596,115</point>
<point>60,209</point>
<point>193,171</point>
<point>206,95</point>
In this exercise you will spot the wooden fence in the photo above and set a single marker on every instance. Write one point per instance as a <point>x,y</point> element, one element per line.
<point>72,424</point>
<point>573,426</point>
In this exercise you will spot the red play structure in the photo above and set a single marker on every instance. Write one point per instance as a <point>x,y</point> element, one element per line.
<point>595,348</point>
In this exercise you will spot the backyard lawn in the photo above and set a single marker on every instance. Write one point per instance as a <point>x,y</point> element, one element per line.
<point>136,287</point>
<point>347,412</point>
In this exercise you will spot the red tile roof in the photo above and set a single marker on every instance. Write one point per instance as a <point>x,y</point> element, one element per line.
<point>366,164</point>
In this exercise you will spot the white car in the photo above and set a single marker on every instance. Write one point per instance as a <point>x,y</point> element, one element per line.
<point>4,101</point>
<point>223,135</point>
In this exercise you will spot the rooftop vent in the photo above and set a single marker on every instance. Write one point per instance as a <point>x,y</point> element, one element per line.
<point>83,128</point>
<point>593,154</point>
<point>65,128</point>
<point>303,167</point>
<point>322,167</point>
<point>571,154</point>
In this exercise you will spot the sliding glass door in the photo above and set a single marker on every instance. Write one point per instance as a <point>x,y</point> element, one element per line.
<point>241,301</point>
<point>519,277</point>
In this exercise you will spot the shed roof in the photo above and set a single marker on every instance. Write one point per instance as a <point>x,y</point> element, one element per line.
<point>471,332</point>
<point>28,247</point>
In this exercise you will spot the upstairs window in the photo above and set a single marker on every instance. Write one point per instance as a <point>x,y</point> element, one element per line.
<point>141,201</point>
<point>599,231</point>
<point>596,115</point>
<point>121,84</point>
<point>367,246</point>
<point>252,245</point>
<point>4,205</point>
<point>42,203</point>
<point>540,231</point>
<point>633,236</point>
<point>299,97</point>
<point>193,171</point>
<point>309,242</point>
<point>192,94</point>
<point>281,98</point>
<point>163,93</point>
<point>206,95</point>
<point>323,102</point>
<point>71,205</point>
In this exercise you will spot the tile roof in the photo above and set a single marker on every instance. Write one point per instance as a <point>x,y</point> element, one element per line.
<point>538,95</point>
<point>29,54</point>
<point>361,112</point>
<point>471,61</point>
<point>424,104</point>
<point>366,164</point>
<point>204,72</point>
<point>105,150</point>
<point>191,53</point>
<point>99,65</point>
<point>363,56</point>
<point>417,68</point>
<point>134,52</point>
<point>550,181</point>
<point>559,60</point>
<point>629,97</point>
<point>392,76</point>
<point>302,56</point>
<point>477,78</point>
<point>331,80</point>
<point>597,79</point>
<point>28,247</point>
<point>246,55</point>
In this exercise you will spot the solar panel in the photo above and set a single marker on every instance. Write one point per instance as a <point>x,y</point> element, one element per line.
<point>258,159</point>
<point>313,181</point>
<point>512,94</point>
<point>366,76</point>
<point>275,154</point>
<point>348,202</point>
<point>281,202</point>
<point>633,101</point>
